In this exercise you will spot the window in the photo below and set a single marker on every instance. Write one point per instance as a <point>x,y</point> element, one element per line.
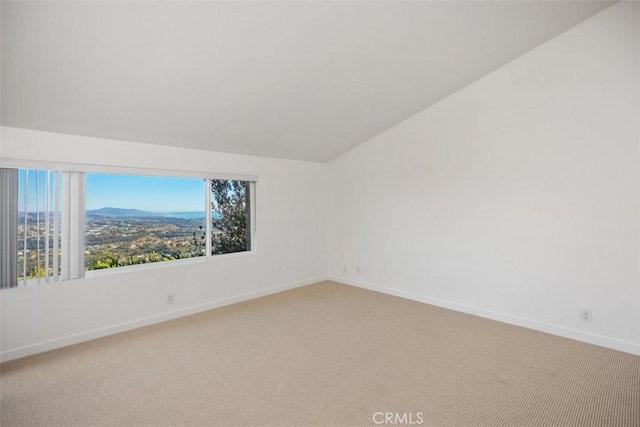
<point>30,226</point>
<point>231,216</point>
<point>58,225</point>
<point>133,219</point>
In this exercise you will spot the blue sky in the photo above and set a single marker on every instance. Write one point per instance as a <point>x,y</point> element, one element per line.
<point>147,193</point>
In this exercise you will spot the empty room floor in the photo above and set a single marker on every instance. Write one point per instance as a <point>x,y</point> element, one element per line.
<point>324,354</point>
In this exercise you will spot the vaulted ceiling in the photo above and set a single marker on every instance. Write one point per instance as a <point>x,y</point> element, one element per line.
<point>299,80</point>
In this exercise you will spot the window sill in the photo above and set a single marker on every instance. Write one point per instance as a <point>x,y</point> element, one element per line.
<point>134,268</point>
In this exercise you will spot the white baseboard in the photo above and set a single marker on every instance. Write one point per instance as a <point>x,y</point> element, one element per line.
<point>146,321</point>
<point>625,346</point>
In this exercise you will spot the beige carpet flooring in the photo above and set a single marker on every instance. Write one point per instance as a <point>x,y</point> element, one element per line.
<point>325,354</point>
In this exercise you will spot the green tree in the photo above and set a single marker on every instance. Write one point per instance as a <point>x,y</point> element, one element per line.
<point>107,262</point>
<point>231,227</point>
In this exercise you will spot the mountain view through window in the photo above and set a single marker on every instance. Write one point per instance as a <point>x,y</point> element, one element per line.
<point>133,219</point>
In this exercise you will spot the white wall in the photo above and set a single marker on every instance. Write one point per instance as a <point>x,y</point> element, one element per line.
<point>516,198</point>
<point>291,249</point>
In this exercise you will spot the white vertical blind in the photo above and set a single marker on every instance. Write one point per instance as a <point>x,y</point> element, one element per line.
<point>72,235</point>
<point>8,228</point>
<point>25,211</point>
<point>38,258</point>
<point>56,225</point>
<point>47,232</point>
<point>38,271</point>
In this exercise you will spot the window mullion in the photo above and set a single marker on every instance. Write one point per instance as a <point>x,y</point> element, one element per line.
<point>252,214</point>
<point>207,217</point>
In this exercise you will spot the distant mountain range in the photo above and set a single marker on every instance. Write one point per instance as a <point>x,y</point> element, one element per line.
<point>136,213</point>
<point>120,212</point>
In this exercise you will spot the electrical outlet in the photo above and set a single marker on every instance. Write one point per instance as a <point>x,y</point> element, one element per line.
<point>344,268</point>
<point>358,269</point>
<point>586,315</point>
<point>170,298</point>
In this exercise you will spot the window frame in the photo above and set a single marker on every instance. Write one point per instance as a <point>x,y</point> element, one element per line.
<point>79,226</point>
